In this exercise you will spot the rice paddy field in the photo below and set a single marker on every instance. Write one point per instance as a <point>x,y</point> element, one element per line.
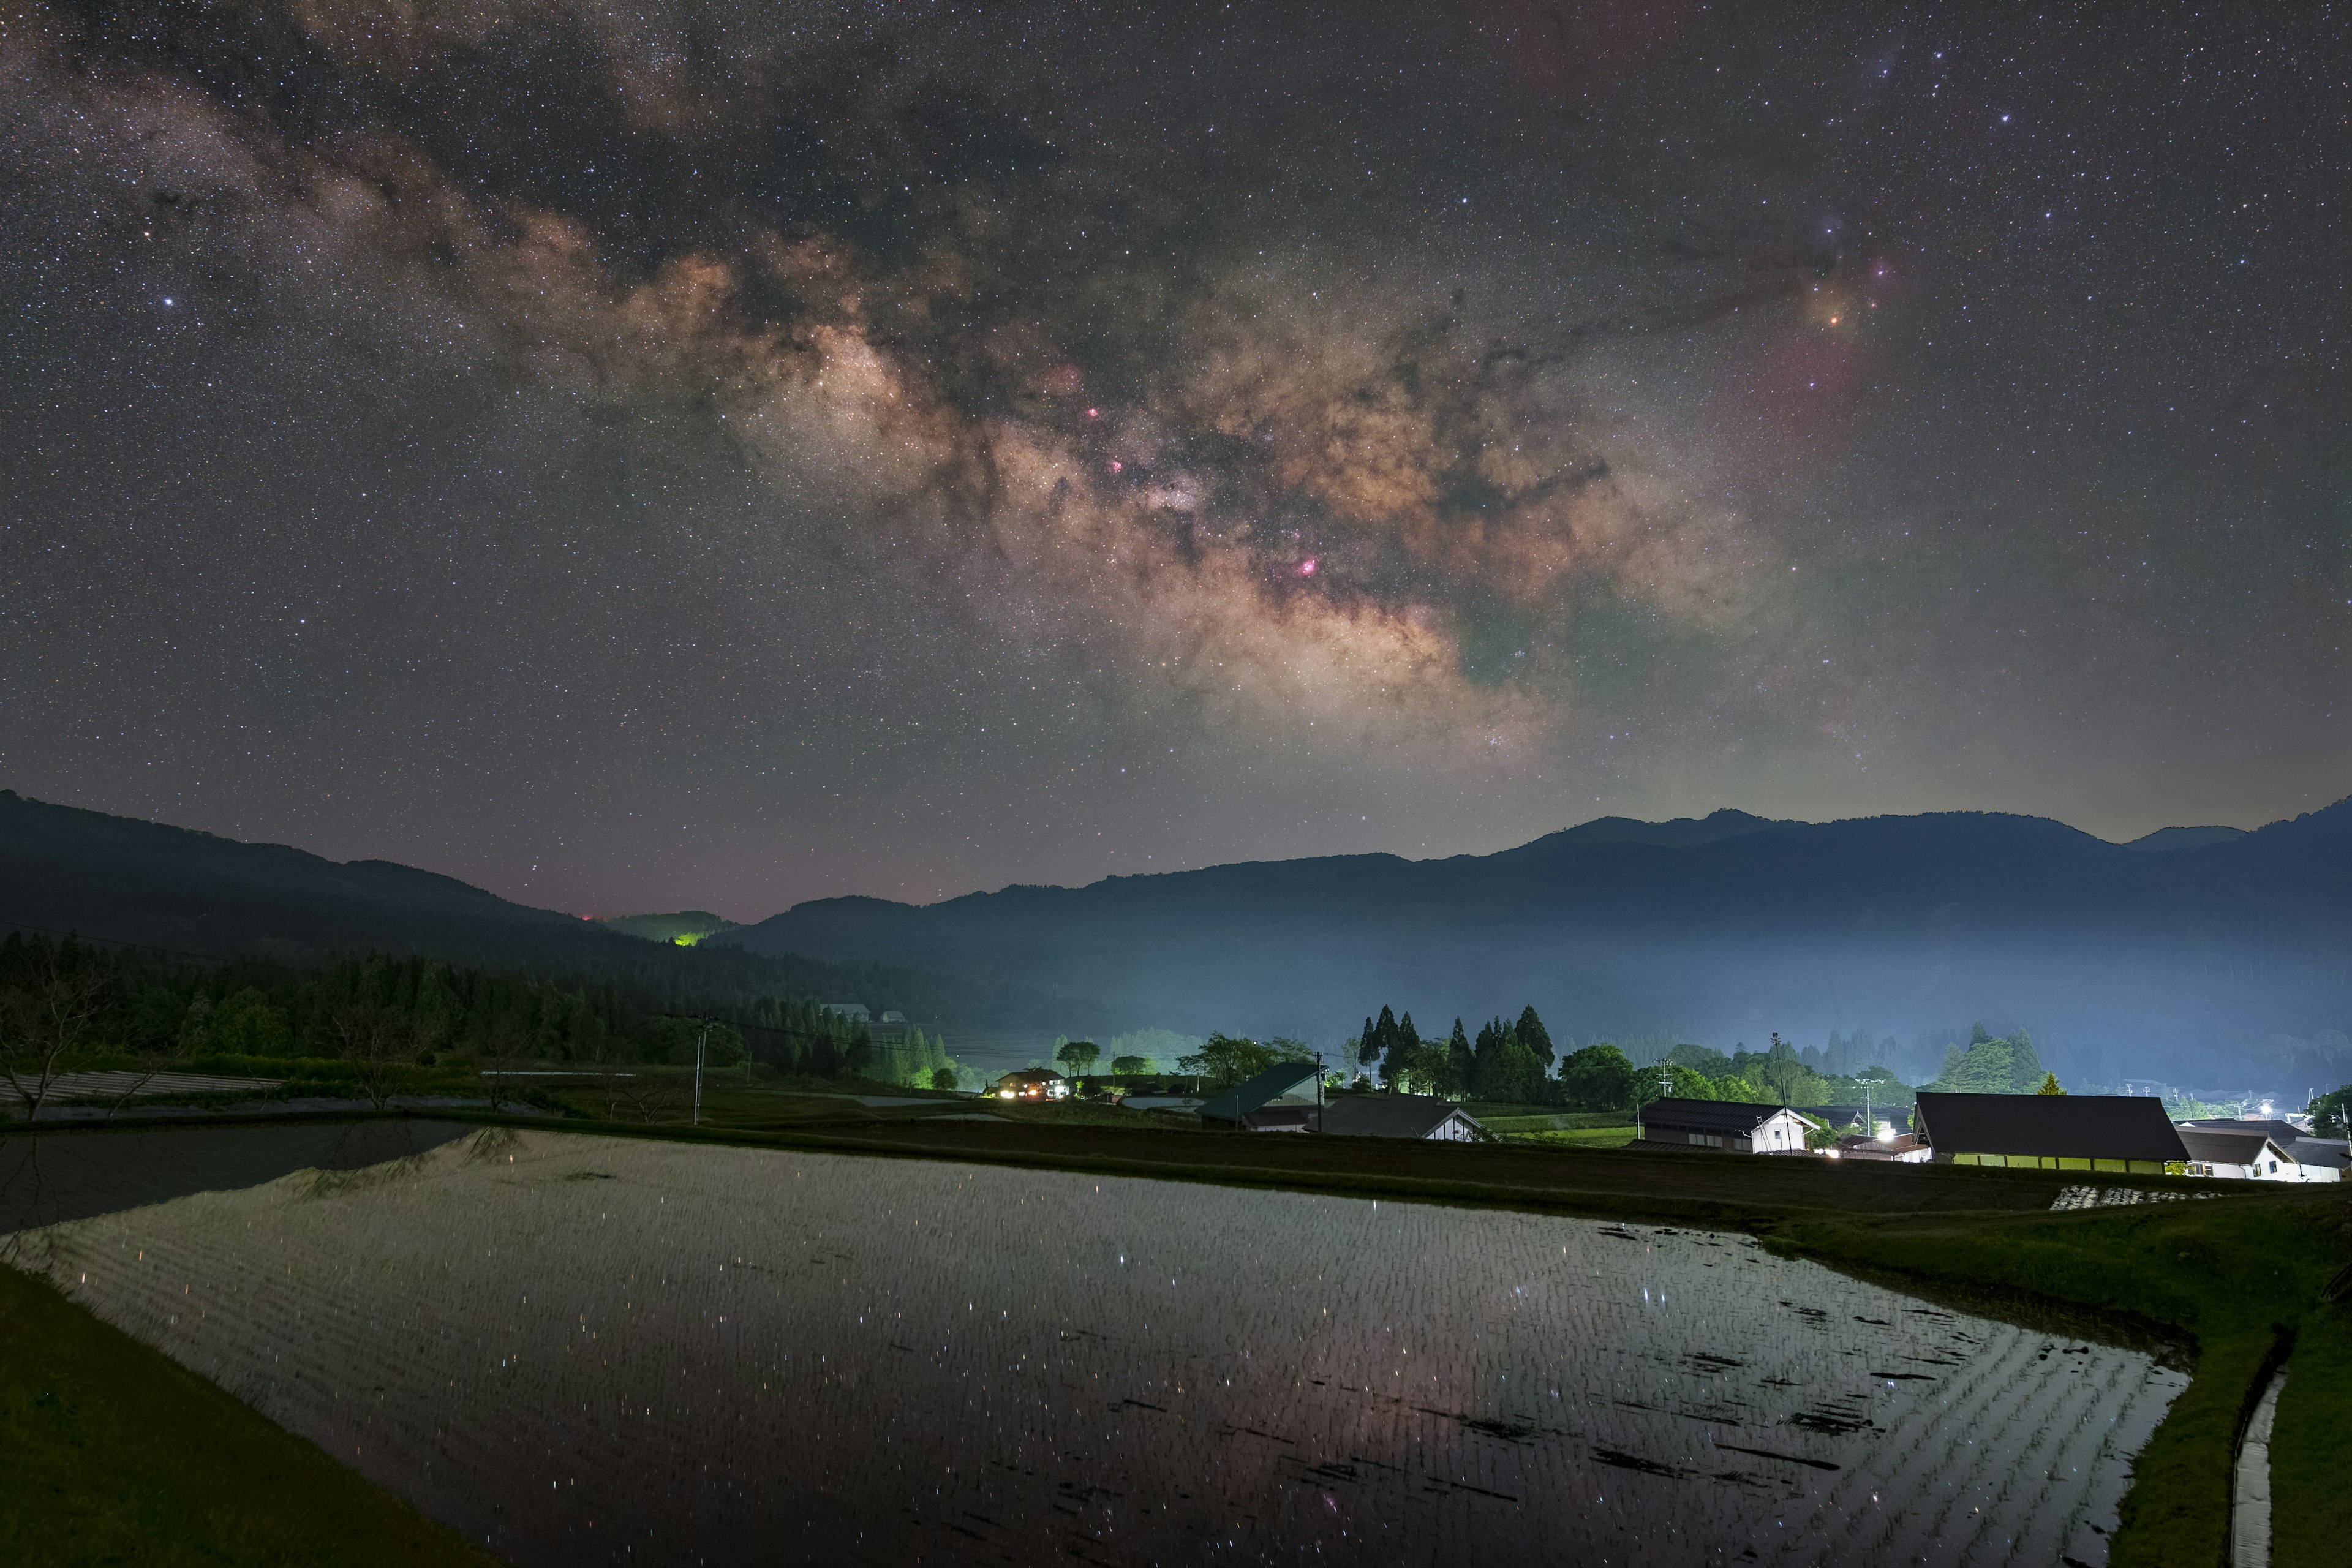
<point>579,1348</point>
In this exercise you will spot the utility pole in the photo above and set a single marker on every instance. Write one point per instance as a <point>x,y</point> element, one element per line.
<point>700,1040</point>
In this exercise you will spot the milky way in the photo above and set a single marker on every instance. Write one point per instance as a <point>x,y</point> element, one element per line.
<point>684,455</point>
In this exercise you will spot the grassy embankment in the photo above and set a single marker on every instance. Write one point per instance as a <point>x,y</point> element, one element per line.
<point>116,1454</point>
<point>2218,1285</point>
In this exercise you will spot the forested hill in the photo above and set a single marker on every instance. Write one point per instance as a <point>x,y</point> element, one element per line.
<point>120,881</point>
<point>2227,958</point>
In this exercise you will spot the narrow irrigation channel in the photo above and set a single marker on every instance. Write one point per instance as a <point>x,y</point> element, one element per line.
<point>2249,1495</point>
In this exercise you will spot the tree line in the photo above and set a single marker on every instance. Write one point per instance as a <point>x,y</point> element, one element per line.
<point>1514,1061</point>
<point>66,1005</point>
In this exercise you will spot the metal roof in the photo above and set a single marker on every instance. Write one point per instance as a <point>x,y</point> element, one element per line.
<point>2279,1132</point>
<point>2331,1153</point>
<point>1388,1115</point>
<point>1252,1094</point>
<point>2070,1126</point>
<point>1739,1117</point>
<point>2216,1146</point>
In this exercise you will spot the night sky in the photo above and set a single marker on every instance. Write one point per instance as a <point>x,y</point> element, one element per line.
<point>695,456</point>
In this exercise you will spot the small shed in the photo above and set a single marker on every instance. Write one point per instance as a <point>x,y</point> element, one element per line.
<point>1400,1116</point>
<point>1279,1099</point>
<point>2050,1132</point>
<point>1902,1148</point>
<point>1735,1126</point>
<point>2246,1156</point>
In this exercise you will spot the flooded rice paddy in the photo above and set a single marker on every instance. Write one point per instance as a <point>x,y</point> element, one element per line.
<point>586,1350</point>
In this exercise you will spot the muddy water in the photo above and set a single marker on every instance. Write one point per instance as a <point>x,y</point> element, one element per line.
<point>581,1350</point>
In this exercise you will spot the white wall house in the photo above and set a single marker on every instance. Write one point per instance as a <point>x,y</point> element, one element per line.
<point>2246,1157</point>
<point>1734,1126</point>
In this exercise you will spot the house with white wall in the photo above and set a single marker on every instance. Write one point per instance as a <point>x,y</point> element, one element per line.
<point>2248,1156</point>
<point>1736,1127</point>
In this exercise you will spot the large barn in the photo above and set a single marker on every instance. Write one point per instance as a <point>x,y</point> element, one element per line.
<point>2052,1131</point>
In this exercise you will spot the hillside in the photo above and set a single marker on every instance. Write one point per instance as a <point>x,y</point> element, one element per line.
<point>120,881</point>
<point>2211,963</point>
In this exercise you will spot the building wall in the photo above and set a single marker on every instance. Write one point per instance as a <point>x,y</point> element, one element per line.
<point>2071,1163</point>
<point>2269,1170</point>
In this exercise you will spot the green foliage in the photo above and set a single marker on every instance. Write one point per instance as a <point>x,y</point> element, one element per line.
<point>1079,1056</point>
<point>911,1057</point>
<point>1703,1060</point>
<point>2331,1113</point>
<point>1991,1066</point>
<point>1150,1043</point>
<point>1598,1077</point>
<point>1130,1066</point>
<point>1224,1060</point>
<point>1509,1061</point>
<point>944,1078</point>
<point>278,1014</point>
<point>2050,1085</point>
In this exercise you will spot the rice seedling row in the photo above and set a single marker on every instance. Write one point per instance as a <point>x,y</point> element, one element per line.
<point>581,1350</point>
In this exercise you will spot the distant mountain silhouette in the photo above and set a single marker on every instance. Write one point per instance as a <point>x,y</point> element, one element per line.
<point>2229,962</point>
<point>2167,839</point>
<point>119,879</point>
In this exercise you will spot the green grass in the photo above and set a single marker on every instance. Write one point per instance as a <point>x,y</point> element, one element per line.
<point>114,1454</point>
<point>1575,1138</point>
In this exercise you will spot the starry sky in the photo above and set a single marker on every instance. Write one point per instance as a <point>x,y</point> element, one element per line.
<point>703,456</point>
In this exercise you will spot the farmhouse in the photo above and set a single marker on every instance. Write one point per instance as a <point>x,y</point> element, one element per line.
<point>2050,1132</point>
<point>1400,1116</point>
<point>2250,1155</point>
<point>1031,1083</point>
<point>855,1012</point>
<point>1282,1099</point>
<point>1739,1127</point>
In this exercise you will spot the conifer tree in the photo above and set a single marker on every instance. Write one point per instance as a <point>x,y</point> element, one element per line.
<point>1535,1037</point>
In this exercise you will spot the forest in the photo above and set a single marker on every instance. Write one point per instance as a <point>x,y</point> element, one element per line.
<point>1513,1061</point>
<point>68,1005</point>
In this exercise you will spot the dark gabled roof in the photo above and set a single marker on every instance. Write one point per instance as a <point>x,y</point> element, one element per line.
<point>1388,1115</point>
<point>2070,1126</point>
<point>1738,1117</point>
<point>2329,1153</point>
<point>2279,1132</point>
<point>1252,1094</point>
<point>2216,1147</point>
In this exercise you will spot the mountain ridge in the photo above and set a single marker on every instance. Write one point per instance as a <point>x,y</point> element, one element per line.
<point>2129,959</point>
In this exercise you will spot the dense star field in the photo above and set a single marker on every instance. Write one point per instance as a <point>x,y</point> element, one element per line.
<point>666,455</point>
